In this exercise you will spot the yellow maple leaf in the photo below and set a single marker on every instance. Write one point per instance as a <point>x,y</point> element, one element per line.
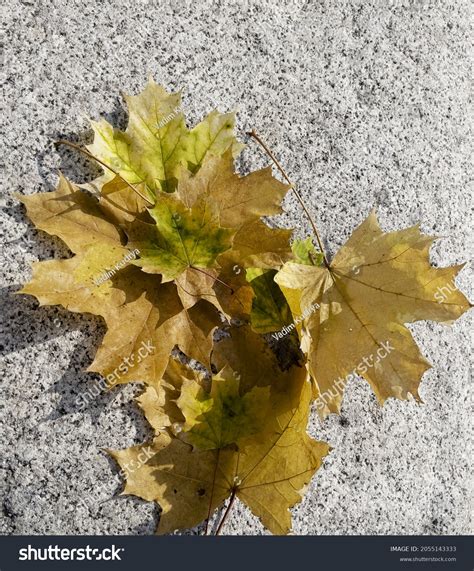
<point>352,314</point>
<point>143,331</point>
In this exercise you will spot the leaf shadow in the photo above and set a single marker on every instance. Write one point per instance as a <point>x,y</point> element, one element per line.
<point>23,324</point>
<point>26,325</point>
<point>74,165</point>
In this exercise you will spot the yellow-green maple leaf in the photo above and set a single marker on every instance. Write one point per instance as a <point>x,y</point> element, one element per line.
<point>240,202</point>
<point>156,142</point>
<point>267,470</point>
<point>181,237</point>
<point>221,416</point>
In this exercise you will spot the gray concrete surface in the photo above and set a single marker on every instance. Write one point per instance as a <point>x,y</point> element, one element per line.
<point>366,103</point>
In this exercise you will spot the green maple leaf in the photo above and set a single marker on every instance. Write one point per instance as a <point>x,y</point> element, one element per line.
<point>221,416</point>
<point>305,253</point>
<point>181,237</point>
<point>270,310</point>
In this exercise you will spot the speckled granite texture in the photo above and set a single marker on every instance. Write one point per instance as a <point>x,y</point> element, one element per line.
<point>366,103</point>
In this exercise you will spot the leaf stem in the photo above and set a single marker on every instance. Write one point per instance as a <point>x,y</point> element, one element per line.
<point>213,277</point>
<point>212,492</point>
<point>91,156</point>
<point>293,187</point>
<point>311,257</point>
<point>226,513</point>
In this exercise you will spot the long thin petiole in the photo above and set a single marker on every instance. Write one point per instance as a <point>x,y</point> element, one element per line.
<point>91,156</point>
<point>226,513</point>
<point>212,493</point>
<point>213,277</point>
<point>293,188</point>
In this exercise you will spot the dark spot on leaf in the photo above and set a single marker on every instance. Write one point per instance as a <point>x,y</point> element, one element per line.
<point>201,492</point>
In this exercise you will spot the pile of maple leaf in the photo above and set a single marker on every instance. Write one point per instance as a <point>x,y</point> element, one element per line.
<point>199,259</point>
